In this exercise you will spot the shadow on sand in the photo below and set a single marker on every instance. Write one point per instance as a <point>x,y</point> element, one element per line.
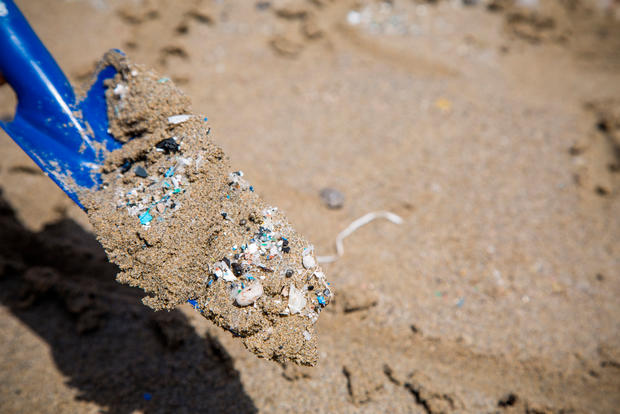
<point>114,350</point>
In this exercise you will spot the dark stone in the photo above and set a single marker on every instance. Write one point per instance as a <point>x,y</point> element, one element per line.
<point>237,269</point>
<point>168,145</point>
<point>332,198</point>
<point>140,172</point>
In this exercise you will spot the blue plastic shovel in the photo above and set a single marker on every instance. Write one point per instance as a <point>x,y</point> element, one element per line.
<point>67,137</point>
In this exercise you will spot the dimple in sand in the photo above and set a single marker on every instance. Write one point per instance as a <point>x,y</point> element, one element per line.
<point>183,225</point>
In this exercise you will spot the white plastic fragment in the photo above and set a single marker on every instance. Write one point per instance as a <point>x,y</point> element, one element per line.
<point>313,316</point>
<point>319,275</point>
<point>252,248</point>
<point>249,294</point>
<point>307,335</point>
<point>234,290</point>
<point>354,18</point>
<point>356,224</point>
<point>121,90</point>
<point>308,261</point>
<point>236,180</point>
<point>223,271</point>
<point>177,119</point>
<point>296,299</point>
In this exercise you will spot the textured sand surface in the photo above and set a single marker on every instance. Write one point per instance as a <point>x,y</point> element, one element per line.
<point>491,129</point>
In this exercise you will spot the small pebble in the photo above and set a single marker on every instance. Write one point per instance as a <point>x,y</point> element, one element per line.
<point>140,172</point>
<point>289,273</point>
<point>332,198</point>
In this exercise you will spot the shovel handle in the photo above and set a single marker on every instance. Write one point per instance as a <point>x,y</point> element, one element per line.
<point>43,92</point>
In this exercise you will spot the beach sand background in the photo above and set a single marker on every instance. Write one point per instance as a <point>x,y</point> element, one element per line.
<point>492,128</point>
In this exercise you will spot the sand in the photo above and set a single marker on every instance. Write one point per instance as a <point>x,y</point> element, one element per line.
<point>491,131</point>
<point>183,225</point>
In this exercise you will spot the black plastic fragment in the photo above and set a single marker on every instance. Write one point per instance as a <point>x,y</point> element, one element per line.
<point>237,269</point>
<point>126,166</point>
<point>168,145</point>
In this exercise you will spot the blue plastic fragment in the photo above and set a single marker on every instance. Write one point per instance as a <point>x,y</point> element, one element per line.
<point>321,300</point>
<point>205,119</point>
<point>147,396</point>
<point>210,283</point>
<point>252,188</point>
<point>145,218</point>
<point>170,172</point>
<point>162,80</point>
<point>193,303</point>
